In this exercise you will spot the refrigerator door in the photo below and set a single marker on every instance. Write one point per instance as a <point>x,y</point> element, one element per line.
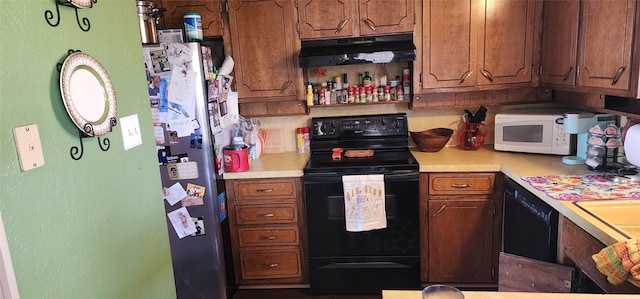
<point>186,165</point>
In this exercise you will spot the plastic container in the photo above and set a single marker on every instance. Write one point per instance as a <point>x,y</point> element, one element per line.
<point>193,26</point>
<point>300,140</point>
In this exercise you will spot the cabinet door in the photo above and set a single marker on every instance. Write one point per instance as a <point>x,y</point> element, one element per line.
<point>386,16</point>
<point>264,49</point>
<point>448,43</point>
<point>606,30</point>
<point>505,42</point>
<point>560,41</point>
<point>209,11</point>
<point>460,240</point>
<point>327,18</point>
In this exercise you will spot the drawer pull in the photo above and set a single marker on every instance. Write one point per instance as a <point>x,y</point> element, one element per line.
<point>274,265</point>
<point>439,211</point>
<point>264,190</point>
<point>269,238</point>
<point>460,186</point>
<point>268,215</point>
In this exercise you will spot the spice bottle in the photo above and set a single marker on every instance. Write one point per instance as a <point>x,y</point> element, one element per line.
<point>366,80</point>
<point>307,139</point>
<point>300,140</point>
<point>309,94</point>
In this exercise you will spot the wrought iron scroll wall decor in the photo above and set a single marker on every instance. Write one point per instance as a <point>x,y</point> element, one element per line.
<point>88,130</point>
<point>84,26</point>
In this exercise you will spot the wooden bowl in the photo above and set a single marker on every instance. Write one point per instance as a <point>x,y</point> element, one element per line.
<point>432,140</point>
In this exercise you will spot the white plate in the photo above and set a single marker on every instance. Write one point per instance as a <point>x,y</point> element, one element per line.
<point>81,3</point>
<point>87,93</point>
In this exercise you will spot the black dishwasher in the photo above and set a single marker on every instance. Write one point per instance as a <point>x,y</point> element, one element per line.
<point>530,224</point>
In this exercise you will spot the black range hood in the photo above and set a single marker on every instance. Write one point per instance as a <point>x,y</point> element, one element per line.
<point>346,51</point>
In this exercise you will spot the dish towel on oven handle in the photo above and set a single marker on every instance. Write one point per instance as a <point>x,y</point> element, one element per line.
<point>364,202</point>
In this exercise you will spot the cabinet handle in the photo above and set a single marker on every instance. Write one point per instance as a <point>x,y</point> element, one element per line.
<point>268,215</point>
<point>285,86</point>
<point>268,238</point>
<point>370,23</point>
<point>566,74</point>
<point>274,265</point>
<point>487,75</point>
<point>264,190</point>
<point>341,25</point>
<point>460,186</point>
<point>439,211</point>
<point>465,76</point>
<point>618,74</point>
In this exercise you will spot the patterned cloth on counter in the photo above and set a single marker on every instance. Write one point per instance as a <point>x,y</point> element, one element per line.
<point>620,262</point>
<point>582,187</point>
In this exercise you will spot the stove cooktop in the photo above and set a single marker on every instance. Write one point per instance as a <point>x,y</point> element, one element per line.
<point>381,161</point>
<point>385,134</point>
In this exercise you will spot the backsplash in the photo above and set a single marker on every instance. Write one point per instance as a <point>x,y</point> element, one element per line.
<point>418,119</point>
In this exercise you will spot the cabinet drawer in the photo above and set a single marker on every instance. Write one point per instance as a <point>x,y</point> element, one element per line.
<point>287,235</point>
<point>263,264</point>
<point>264,189</point>
<point>266,214</point>
<point>461,183</point>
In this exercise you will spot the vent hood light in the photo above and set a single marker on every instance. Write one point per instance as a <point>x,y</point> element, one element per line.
<point>377,49</point>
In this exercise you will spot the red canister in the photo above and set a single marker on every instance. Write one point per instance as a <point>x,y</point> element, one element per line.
<point>236,157</point>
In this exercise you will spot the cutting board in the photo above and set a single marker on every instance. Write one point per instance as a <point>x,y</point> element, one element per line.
<point>274,140</point>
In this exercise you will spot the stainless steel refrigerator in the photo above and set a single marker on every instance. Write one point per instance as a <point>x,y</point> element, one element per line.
<point>178,84</point>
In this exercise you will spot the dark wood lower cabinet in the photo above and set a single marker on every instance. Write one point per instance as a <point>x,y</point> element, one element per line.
<point>575,248</point>
<point>461,216</point>
<point>266,222</point>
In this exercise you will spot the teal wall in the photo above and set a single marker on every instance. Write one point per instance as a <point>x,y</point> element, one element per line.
<point>92,228</point>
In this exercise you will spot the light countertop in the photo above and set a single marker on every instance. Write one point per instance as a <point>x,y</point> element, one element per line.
<point>454,159</point>
<point>280,165</point>
<point>387,294</point>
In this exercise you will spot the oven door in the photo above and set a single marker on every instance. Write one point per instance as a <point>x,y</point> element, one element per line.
<point>362,262</point>
<point>324,198</point>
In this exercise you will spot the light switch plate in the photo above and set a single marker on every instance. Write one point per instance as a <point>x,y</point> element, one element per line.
<point>27,139</point>
<point>130,127</point>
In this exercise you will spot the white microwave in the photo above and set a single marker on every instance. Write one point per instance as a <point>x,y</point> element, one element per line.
<point>538,131</point>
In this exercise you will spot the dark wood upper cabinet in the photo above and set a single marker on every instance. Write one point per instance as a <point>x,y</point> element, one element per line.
<point>264,49</point>
<point>348,18</point>
<point>210,13</point>
<point>588,46</point>
<point>469,44</point>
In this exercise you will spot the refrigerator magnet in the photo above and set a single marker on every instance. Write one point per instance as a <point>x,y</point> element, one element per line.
<point>181,222</point>
<point>174,194</point>
<point>199,224</point>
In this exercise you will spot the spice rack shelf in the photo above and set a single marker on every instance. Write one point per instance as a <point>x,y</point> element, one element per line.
<point>360,104</point>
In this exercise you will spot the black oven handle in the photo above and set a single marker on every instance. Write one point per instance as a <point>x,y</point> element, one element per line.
<point>365,265</point>
<point>324,177</point>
